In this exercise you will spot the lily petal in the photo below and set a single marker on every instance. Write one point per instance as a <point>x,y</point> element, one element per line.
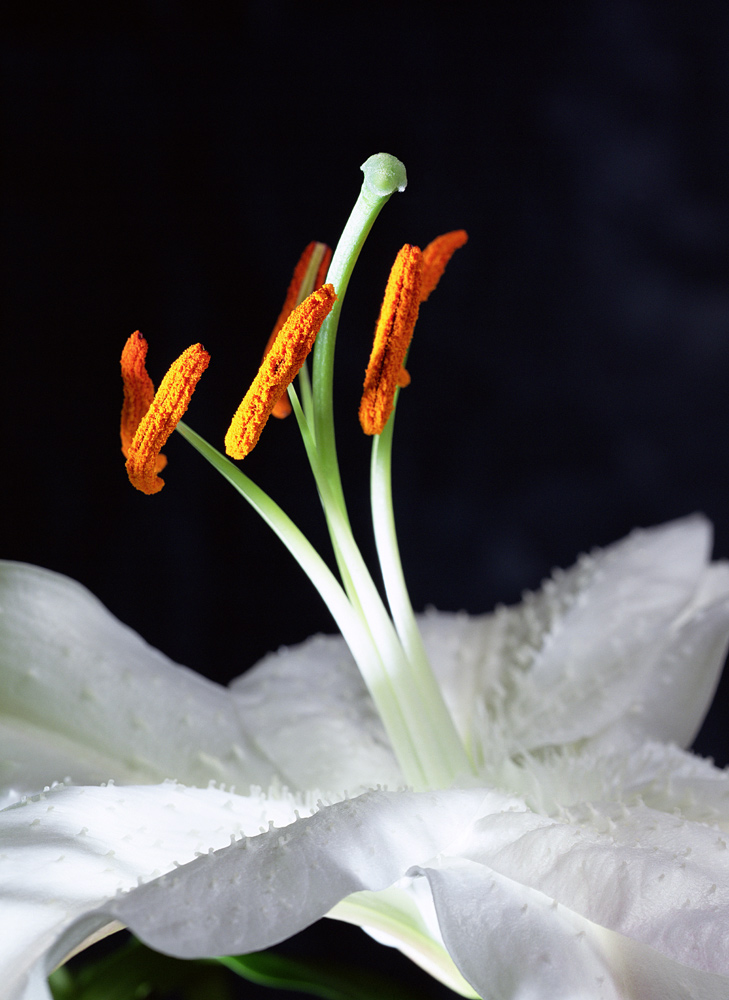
<point>261,891</point>
<point>66,852</point>
<point>569,958</point>
<point>657,878</point>
<point>631,637</point>
<point>308,708</point>
<point>488,920</point>
<point>607,621</point>
<point>144,718</point>
<point>674,698</point>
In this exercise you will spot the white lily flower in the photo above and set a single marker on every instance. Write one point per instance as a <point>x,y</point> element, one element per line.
<point>520,820</point>
<point>592,841</point>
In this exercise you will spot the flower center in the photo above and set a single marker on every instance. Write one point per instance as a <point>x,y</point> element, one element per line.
<point>386,644</point>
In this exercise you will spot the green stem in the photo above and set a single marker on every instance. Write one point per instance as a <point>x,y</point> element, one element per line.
<point>429,725</point>
<point>383,175</point>
<point>307,401</point>
<point>307,437</point>
<point>353,627</point>
<point>440,721</point>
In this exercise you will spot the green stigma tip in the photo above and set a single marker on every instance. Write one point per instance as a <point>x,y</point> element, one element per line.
<point>384,174</point>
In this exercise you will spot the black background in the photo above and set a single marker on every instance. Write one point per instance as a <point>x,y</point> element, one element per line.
<point>167,163</point>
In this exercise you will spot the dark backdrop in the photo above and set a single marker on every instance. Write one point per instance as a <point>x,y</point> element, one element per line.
<point>168,162</point>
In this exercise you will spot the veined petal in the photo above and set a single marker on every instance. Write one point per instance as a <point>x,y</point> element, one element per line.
<point>309,708</point>
<point>84,691</point>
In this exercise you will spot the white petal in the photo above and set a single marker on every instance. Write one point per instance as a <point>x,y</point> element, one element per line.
<point>654,877</point>
<point>556,783</point>
<point>676,695</point>
<point>675,781</point>
<point>584,652</point>
<point>514,943</point>
<point>308,708</point>
<point>259,892</point>
<point>65,853</point>
<point>85,691</point>
<point>604,653</point>
<point>467,656</point>
<point>30,986</point>
<point>404,917</point>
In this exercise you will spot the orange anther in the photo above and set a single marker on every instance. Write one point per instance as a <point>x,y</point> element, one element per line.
<point>138,391</point>
<point>163,413</point>
<point>278,369</point>
<point>435,257</point>
<point>309,274</point>
<point>393,334</point>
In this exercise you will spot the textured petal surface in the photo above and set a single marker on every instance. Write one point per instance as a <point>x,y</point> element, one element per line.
<point>675,696</point>
<point>82,690</point>
<point>656,878</point>
<point>63,853</point>
<point>600,657</point>
<point>632,637</point>
<point>261,891</point>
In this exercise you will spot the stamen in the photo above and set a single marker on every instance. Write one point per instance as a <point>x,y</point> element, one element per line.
<point>162,416</point>
<point>435,257</point>
<point>278,369</point>
<point>138,391</point>
<point>393,334</point>
<point>309,274</point>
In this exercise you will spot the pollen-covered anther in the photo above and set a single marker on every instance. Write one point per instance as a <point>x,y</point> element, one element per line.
<point>393,334</point>
<point>436,256</point>
<point>162,416</point>
<point>309,274</point>
<point>138,391</point>
<point>278,369</point>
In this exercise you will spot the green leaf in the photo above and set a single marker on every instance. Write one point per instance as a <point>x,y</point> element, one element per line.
<point>134,972</point>
<point>330,981</point>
